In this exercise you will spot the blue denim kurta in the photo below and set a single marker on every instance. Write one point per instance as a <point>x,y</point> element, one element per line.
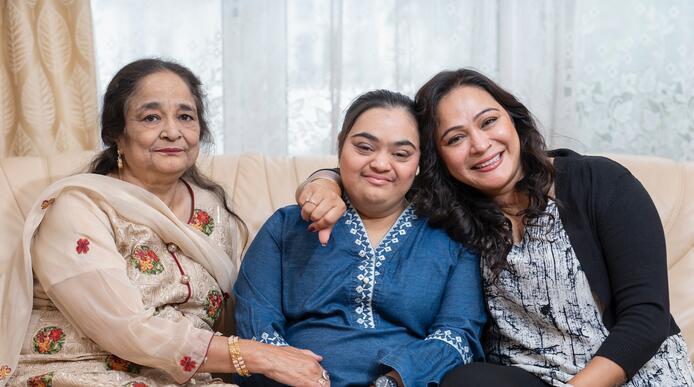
<point>413,303</point>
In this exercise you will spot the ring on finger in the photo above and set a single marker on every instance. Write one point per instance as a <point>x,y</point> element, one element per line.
<point>325,375</point>
<point>322,381</point>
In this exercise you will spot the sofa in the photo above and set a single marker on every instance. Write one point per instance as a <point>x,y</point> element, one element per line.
<point>259,185</point>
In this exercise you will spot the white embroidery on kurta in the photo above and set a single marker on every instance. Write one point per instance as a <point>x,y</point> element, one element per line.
<point>372,259</point>
<point>453,340</point>
<point>272,338</point>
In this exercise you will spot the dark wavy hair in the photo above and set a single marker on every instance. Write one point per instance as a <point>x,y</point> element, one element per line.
<point>380,98</point>
<point>118,93</point>
<point>464,212</point>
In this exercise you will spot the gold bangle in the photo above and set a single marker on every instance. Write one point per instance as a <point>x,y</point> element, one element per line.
<point>236,358</point>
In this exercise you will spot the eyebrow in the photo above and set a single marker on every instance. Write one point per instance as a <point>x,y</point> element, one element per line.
<point>156,105</point>
<point>373,138</point>
<point>460,126</point>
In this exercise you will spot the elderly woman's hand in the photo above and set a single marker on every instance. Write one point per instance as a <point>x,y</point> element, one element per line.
<point>287,365</point>
<point>321,203</point>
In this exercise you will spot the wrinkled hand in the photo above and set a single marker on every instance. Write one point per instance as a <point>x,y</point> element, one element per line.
<point>322,205</point>
<point>287,365</point>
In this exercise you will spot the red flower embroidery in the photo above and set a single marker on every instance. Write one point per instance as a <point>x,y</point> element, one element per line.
<point>115,363</point>
<point>55,334</point>
<point>202,221</point>
<point>49,340</point>
<point>45,380</point>
<point>4,372</point>
<point>187,363</point>
<point>135,384</point>
<point>213,304</point>
<point>82,246</point>
<point>203,217</point>
<point>47,203</point>
<point>146,260</point>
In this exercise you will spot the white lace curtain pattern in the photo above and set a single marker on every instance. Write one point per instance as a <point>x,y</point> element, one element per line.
<point>601,76</point>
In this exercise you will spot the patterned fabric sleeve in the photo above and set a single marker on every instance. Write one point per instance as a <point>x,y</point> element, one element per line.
<point>78,264</point>
<point>454,337</point>
<point>258,287</point>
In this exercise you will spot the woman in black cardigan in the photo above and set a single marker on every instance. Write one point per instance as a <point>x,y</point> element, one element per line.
<point>573,251</point>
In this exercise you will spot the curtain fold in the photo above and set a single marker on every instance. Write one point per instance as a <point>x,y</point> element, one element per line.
<point>47,78</point>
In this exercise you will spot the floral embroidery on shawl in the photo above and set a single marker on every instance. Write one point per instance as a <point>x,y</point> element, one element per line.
<point>45,380</point>
<point>5,371</point>
<point>187,363</point>
<point>213,304</point>
<point>46,203</point>
<point>115,363</point>
<point>49,340</point>
<point>144,259</point>
<point>202,221</point>
<point>453,340</point>
<point>82,246</point>
<point>135,384</point>
<point>372,259</point>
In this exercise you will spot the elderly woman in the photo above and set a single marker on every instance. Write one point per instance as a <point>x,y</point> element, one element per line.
<point>576,289</point>
<point>132,262</point>
<point>389,300</point>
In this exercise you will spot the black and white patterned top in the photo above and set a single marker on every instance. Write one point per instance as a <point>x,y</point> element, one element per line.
<point>546,320</point>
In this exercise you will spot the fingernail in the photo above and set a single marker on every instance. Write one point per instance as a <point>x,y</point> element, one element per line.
<point>311,229</point>
<point>323,244</point>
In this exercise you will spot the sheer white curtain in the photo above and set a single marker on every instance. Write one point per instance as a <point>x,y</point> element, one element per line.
<point>189,32</point>
<point>601,76</point>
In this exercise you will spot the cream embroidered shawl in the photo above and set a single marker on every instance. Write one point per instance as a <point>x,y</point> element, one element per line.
<point>131,202</point>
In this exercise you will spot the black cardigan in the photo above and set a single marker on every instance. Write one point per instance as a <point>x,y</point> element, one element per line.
<point>618,237</point>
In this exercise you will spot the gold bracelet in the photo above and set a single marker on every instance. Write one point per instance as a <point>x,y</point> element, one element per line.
<point>236,358</point>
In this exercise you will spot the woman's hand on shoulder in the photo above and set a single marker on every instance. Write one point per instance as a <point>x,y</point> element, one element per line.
<point>321,204</point>
<point>285,364</point>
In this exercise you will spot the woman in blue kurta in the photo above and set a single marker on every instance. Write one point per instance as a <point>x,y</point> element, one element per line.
<point>388,295</point>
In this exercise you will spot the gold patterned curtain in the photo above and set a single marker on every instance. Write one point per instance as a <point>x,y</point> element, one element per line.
<point>47,77</point>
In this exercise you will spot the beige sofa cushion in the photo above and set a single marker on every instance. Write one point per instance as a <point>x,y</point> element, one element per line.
<point>259,185</point>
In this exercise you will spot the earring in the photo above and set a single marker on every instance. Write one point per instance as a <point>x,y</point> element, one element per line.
<point>119,160</point>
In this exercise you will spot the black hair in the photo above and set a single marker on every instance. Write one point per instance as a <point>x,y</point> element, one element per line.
<point>464,212</point>
<point>372,99</point>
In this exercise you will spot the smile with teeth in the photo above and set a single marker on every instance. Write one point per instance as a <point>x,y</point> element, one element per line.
<point>489,162</point>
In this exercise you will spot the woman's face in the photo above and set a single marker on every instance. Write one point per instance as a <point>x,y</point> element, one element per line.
<point>162,131</point>
<point>478,141</point>
<point>379,160</point>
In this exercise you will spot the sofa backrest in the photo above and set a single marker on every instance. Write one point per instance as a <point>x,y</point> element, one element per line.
<point>259,185</point>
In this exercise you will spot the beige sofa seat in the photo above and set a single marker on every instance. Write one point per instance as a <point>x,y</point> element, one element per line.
<point>259,185</point>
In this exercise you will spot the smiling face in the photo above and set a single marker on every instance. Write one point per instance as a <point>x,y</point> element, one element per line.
<point>162,132</point>
<point>379,160</point>
<point>478,142</point>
